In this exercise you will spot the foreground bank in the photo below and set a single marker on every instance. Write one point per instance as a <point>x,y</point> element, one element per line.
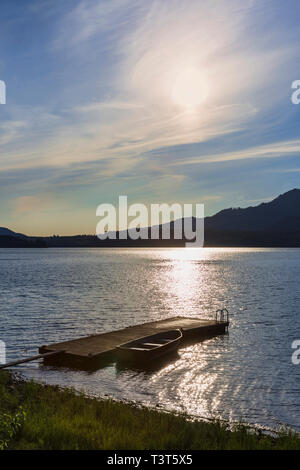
<point>35,416</point>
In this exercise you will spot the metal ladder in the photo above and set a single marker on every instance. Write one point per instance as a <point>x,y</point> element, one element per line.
<point>222,316</point>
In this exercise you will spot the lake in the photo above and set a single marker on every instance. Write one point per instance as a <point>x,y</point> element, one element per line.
<point>51,295</point>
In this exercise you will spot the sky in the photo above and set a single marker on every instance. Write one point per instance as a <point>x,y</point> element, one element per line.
<point>165,101</point>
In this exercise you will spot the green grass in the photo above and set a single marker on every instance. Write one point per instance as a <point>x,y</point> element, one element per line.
<point>52,418</point>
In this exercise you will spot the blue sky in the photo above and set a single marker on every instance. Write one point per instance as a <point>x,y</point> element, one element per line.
<point>163,101</point>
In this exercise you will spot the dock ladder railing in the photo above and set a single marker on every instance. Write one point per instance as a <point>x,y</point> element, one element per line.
<point>222,315</point>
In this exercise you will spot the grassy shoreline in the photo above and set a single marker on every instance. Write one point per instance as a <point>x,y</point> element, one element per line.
<point>37,416</point>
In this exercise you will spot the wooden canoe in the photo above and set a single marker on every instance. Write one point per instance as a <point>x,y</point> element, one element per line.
<point>150,347</point>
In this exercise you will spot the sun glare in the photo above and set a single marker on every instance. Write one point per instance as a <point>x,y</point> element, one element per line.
<point>189,89</point>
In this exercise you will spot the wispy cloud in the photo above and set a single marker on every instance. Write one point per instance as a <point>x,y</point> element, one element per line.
<point>142,114</point>
<point>90,18</point>
<point>26,204</point>
<point>270,150</point>
<point>137,83</point>
<point>10,131</point>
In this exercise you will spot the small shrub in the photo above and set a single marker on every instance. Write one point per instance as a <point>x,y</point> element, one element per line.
<point>10,425</point>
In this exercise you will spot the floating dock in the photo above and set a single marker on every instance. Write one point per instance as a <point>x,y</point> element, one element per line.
<point>93,350</point>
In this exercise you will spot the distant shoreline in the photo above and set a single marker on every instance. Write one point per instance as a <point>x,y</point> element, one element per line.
<point>34,245</point>
<point>275,224</point>
<point>213,239</point>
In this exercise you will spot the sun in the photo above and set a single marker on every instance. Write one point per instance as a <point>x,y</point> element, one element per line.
<point>189,89</point>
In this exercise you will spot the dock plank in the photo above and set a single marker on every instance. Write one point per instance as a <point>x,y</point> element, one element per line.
<point>92,347</point>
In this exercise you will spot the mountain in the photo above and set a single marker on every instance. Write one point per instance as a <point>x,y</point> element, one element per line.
<point>9,233</point>
<point>271,224</point>
<point>281,214</point>
<point>10,239</point>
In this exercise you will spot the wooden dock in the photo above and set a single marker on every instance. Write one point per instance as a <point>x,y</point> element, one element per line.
<point>90,351</point>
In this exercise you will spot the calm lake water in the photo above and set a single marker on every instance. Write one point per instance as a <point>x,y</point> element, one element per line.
<point>53,295</point>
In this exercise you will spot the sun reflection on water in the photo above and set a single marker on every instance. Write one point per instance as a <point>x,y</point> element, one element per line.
<point>185,284</point>
<point>184,280</point>
<point>192,386</point>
